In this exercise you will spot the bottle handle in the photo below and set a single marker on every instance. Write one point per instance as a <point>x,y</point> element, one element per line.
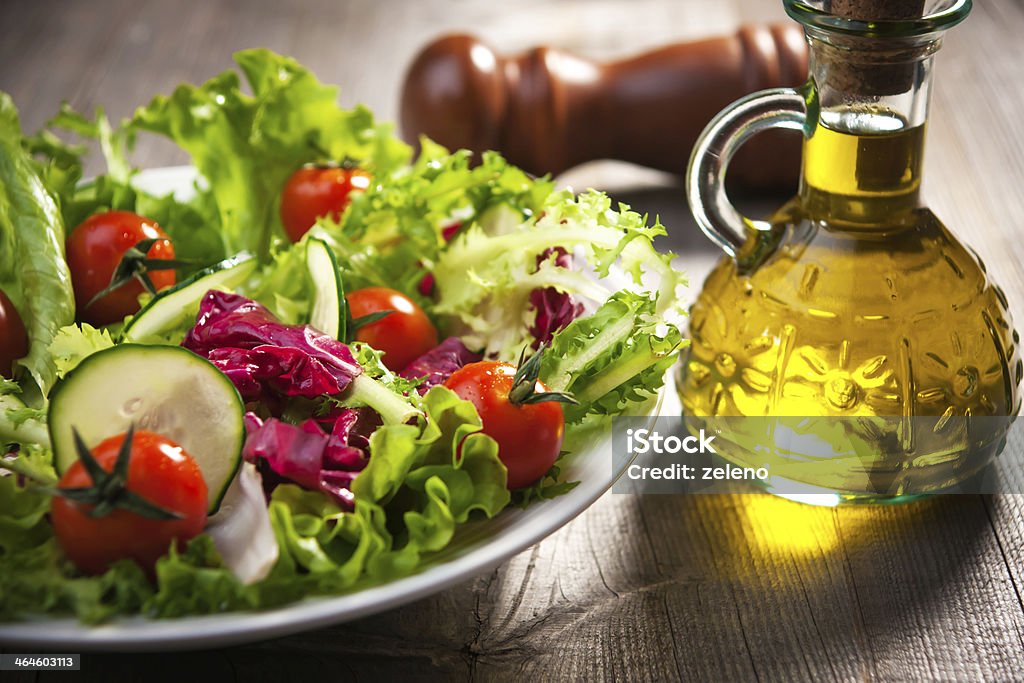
<point>705,177</point>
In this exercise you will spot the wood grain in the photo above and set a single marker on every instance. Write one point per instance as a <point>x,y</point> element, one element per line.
<point>725,587</point>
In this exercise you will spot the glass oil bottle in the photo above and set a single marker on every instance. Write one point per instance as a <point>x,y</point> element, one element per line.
<point>853,312</point>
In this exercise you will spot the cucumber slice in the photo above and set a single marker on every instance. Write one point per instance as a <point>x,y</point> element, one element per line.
<point>172,308</point>
<point>165,389</point>
<point>328,314</point>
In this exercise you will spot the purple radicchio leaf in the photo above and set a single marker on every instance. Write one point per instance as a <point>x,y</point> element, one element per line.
<point>438,364</point>
<point>264,357</point>
<point>555,309</point>
<point>308,456</point>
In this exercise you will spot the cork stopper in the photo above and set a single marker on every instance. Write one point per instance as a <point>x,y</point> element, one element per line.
<point>872,76</point>
<point>877,10</point>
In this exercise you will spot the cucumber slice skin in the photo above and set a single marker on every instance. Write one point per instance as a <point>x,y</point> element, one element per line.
<point>84,391</point>
<point>328,313</point>
<point>228,273</point>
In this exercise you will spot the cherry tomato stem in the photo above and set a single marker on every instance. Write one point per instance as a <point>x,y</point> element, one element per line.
<point>160,472</point>
<point>529,435</point>
<point>94,251</point>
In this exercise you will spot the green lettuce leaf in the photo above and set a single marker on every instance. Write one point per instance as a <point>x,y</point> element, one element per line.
<point>33,272</point>
<point>36,580</point>
<point>246,146</point>
<point>61,164</point>
<point>22,510</point>
<point>283,285</point>
<point>372,362</point>
<point>20,423</point>
<point>195,582</point>
<point>393,234</point>
<point>191,225</point>
<point>74,343</point>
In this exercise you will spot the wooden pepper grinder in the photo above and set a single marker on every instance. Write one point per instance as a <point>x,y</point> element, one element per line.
<point>547,110</point>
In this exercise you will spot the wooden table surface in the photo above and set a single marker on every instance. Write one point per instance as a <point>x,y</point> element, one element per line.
<point>743,587</point>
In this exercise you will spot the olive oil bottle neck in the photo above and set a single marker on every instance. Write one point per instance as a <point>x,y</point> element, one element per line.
<point>863,156</point>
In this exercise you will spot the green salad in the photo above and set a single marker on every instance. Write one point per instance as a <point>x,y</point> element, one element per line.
<point>303,375</point>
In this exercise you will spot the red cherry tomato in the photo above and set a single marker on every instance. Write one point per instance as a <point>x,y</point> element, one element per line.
<point>13,337</point>
<point>529,435</point>
<point>161,472</point>
<point>316,191</point>
<point>95,249</point>
<point>403,336</point>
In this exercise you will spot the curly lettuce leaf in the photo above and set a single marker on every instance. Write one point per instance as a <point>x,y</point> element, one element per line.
<point>33,272</point>
<point>283,285</point>
<point>62,164</point>
<point>372,362</point>
<point>484,281</point>
<point>74,343</point>
<point>36,581</point>
<point>246,146</point>
<point>393,234</point>
<point>20,423</point>
<point>22,510</point>
<point>196,582</point>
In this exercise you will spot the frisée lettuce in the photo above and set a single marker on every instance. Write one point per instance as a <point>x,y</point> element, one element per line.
<point>485,281</point>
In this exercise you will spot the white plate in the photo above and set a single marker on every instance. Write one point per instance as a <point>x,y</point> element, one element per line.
<point>476,548</point>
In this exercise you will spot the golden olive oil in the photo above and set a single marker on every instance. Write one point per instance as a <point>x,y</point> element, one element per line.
<point>867,307</point>
<point>863,177</point>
